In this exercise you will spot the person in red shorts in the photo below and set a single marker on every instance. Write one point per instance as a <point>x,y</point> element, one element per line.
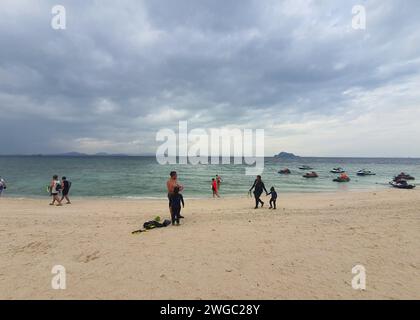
<point>214,188</point>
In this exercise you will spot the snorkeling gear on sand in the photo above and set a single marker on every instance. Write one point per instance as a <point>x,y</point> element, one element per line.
<point>153,224</point>
<point>138,231</point>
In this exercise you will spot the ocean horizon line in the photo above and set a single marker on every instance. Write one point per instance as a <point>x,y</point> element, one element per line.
<point>153,156</point>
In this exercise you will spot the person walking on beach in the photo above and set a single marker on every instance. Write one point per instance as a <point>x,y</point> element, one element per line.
<point>66,188</point>
<point>175,201</point>
<point>55,188</point>
<point>2,185</point>
<point>273,199</point>
<point>171,184</point>
<point>219,181</point>
<point>258,187</point>
<point>214,188</point>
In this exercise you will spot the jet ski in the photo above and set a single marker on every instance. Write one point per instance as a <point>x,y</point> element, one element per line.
<point>312,174</point>
<point>342,178</point>
<point>365,172</point>
<point>402,184</point>
<point>305,168</point>
<point>403,176</point>
<point>285,171</point>
<point>337,170</point>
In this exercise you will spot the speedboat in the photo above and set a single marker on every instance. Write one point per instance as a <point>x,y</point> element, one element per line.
<point>403,176</point>
<point>365,172</point>
<point>285,171</point>
<point>402,184</point>
<point>337,170</point>
<point>305,167</point>
<point>312,174</point>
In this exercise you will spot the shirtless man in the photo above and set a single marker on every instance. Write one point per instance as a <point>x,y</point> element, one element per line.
<point>170,185</point>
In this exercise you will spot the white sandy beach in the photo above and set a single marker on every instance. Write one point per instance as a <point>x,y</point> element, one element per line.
<point>224,249</point>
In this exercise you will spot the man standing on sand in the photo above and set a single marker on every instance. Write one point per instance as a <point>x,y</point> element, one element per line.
<point>170,186</point>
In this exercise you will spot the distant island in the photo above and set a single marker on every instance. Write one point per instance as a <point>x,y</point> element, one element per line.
<point>286,155</point>
<point>73,154</point>
<point>99,154</point>
<point>79,154</point>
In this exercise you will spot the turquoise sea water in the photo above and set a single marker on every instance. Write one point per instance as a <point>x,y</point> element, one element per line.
<point>143,177</point>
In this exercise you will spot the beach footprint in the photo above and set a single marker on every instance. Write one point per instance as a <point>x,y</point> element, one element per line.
<point>85,258</point>
<point>33,247</point>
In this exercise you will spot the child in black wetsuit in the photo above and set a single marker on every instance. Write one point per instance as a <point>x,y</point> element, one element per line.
<point>175,201</point>
<point>273,199</point>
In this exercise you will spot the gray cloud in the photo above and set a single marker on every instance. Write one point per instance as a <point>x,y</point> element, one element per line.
<point>121,71</point>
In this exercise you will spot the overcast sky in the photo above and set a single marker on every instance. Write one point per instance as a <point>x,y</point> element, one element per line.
<point>122,70</point>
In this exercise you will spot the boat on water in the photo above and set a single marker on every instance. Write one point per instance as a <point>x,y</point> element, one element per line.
<point>337,170</point>
<point>312,174</point>
<point>365,172</point>
<point>342,178</point>
<point>402,184</point>
<point>305,167</point>
<point>403,176</point>
<point>285,171</point>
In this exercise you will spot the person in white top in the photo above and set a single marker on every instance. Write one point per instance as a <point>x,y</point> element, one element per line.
<point>2,185</point>
<point>55,188</point>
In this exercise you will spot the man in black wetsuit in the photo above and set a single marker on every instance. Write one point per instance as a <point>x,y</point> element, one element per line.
<point>258,187</point>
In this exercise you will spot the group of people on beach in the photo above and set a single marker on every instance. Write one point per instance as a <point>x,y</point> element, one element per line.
<point>176,200</point>
<point>57,188</point>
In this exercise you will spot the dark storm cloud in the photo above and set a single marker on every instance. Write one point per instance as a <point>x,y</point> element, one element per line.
<point>123,70</point>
